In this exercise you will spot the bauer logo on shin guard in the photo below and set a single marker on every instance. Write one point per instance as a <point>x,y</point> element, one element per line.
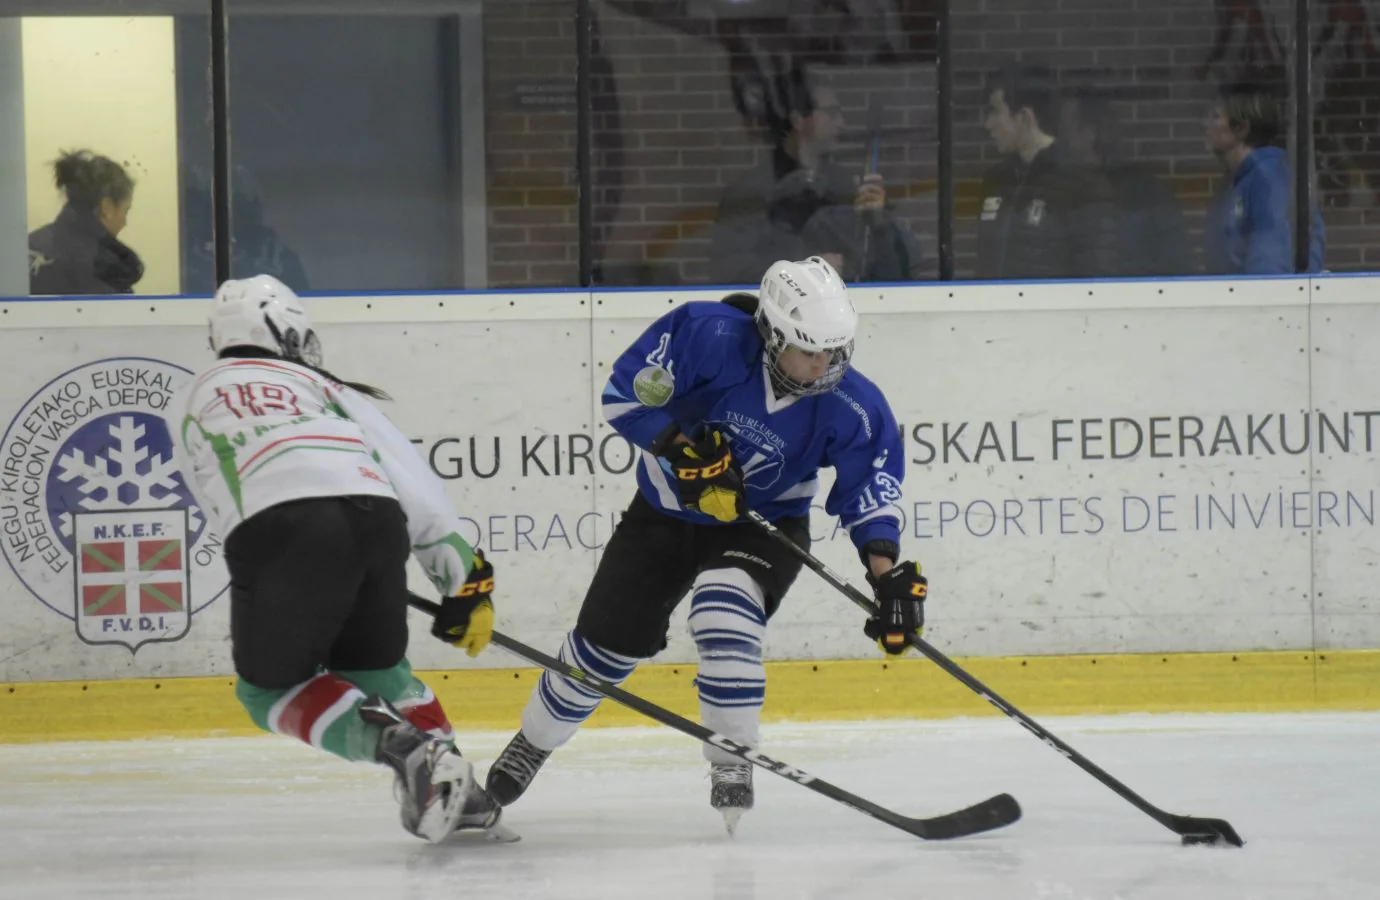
<point>99,525</point>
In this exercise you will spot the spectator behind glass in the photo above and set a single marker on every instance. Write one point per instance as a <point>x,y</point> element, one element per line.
<point>1151,236</point>
<point>799,202</point>
<point>1043,215</point>
<point>80,253</point>
<point>1250,221</point>
<point>255,245</point>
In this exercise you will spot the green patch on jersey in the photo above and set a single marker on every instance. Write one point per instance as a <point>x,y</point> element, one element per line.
<point>654,386</point>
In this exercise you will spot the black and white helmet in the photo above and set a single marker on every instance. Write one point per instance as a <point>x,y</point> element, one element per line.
<point>805,304</point>
<point>265,313</point>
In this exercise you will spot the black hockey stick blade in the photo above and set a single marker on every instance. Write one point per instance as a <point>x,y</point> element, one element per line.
<point>1209,832</point>
<point>1193,830</point>
<point>995,812</point>
<point>992,813</point>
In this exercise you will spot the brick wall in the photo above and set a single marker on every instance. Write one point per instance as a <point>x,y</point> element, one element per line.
<point>529,113</point>
<point>1347,130</point>
<point>684,142</point>
<point>668,138</point>
<point>664,155</point>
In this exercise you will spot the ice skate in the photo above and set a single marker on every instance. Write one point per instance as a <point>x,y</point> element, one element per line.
<point>433,780</point>
<point>481,812</point>
<point>730,791</point>
<point>514,770</point>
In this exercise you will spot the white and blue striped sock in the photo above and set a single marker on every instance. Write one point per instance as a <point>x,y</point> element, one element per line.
<point>728,621</point>
<point>559,705</point>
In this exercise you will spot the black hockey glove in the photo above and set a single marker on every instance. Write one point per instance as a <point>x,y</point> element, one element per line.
<point>707,478</point>
<point>901,593</point>
<point>467,619</point>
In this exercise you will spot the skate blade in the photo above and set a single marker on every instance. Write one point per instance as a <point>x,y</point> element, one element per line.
<point>731,817</point>
<point>495,833</point>
<point>490,826</point>
<point>502,834</point>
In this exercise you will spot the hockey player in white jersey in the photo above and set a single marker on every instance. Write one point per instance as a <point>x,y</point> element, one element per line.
<point>320,501</point>
<point>736,405</point>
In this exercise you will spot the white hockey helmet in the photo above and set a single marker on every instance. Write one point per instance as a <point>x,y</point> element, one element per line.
<point>805,305</point>
<point>265,313</point>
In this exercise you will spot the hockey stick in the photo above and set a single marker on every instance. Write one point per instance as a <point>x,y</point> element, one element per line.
<point>1192,829</point>
<point>995,812</point>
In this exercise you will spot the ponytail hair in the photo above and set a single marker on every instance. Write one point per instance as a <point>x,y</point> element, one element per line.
<point>87,179</point>
<point>244,351</point>
<point>367,390</point>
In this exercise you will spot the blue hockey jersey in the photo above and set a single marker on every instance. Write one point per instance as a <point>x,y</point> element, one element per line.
<point>702,365</point>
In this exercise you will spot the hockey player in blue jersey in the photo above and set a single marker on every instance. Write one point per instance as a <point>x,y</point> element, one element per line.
<point>735,405</point>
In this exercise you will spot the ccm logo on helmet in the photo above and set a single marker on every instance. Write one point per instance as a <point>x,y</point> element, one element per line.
<point>827,342</point>
<point>800,291</point>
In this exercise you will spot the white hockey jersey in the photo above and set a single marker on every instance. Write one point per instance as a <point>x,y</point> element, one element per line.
<point>252,433</point>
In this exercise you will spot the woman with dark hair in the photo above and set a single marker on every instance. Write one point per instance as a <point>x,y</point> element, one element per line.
<point>80,252</point>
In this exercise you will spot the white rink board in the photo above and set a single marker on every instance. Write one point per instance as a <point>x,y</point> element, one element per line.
<point>1035,539</point>
<point>1345,374</point>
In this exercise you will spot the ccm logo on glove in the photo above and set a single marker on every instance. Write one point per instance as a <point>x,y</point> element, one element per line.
<point>707,478</point>
<point>467,619</point>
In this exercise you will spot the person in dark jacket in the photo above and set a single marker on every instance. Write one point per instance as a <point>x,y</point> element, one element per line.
<point>80,251</point>
<point>1250,222</point>
<point>1043,215</point>
<point>255,244</point>
<point>800,203</point>
<point>1152,238</point>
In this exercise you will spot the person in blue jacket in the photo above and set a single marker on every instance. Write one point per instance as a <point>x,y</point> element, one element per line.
<point>1250,221</point>
<point>735,406</point>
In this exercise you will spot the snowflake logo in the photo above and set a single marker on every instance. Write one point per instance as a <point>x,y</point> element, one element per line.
<point>128,474</point>
<point>90,461</point>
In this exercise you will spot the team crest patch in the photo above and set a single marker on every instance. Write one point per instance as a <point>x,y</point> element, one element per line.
<point>96,520</point>
<point>654,386</point>
<point>758,450</point>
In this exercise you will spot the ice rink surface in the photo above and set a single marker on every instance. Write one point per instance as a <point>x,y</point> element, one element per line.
<point>623,813</point>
